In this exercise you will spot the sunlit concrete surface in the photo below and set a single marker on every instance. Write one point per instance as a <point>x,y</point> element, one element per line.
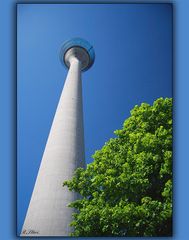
<point>48,212</point>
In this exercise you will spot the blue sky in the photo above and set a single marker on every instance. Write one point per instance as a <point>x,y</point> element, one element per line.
<point>133,46</point>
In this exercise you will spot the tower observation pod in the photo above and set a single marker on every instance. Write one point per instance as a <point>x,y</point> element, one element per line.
<point>48,212</point>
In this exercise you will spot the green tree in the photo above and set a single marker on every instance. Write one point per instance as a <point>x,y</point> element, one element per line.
<point>127,189</point>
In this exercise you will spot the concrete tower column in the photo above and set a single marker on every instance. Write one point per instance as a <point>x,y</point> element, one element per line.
<point>48,212</point>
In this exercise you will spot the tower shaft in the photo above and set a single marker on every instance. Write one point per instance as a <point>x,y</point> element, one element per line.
<point>48,213</point>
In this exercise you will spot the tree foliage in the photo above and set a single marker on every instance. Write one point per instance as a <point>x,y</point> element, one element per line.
<point>127,189</point>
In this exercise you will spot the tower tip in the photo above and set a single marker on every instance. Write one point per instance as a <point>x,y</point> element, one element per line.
<point>79,48</point>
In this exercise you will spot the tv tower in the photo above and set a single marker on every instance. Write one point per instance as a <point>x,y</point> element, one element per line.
<point>48,212</point>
